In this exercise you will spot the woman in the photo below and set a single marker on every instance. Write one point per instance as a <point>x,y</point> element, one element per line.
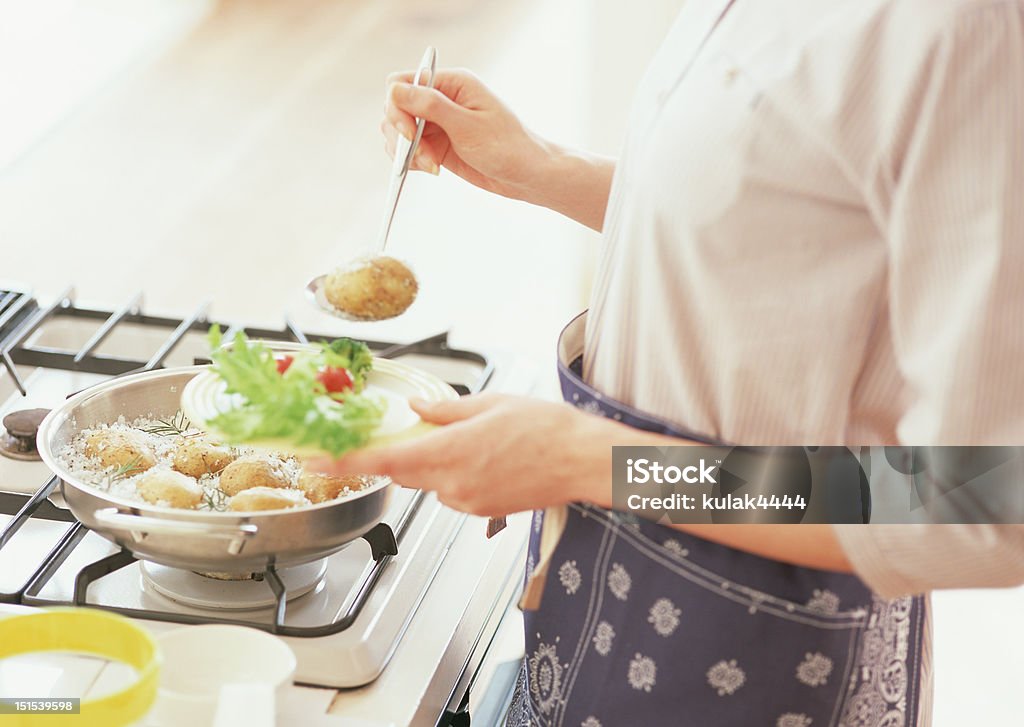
<point>812,236</point>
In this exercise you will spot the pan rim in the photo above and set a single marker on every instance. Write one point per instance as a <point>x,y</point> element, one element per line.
<point>57,416</point>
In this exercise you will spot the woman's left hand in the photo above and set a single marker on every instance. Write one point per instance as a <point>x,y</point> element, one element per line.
<point>498,454</point>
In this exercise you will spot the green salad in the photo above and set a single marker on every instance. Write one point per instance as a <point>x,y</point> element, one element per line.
<point>310,398</point>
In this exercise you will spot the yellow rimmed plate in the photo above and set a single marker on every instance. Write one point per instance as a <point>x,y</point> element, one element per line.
<point>392,382</point>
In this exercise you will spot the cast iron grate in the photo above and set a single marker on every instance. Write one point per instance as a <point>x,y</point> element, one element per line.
<point>21,316</point>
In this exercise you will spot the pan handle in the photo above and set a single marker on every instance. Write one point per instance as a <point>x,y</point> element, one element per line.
<point>141,526</point>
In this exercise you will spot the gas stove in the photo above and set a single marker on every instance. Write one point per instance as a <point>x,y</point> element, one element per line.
<point>399,621</point>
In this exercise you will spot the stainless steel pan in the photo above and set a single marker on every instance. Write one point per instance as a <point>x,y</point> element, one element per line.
<point>194,539</point>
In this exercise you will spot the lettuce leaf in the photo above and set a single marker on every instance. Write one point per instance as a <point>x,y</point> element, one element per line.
<point>352,355</point>
<point>295,406</point>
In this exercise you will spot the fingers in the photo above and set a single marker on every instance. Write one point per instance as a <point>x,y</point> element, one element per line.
<point>440,107</point>
<point>427,157</point>
<point>400,77</point>
<point>454,94</point>
<point>388,461</point>
<point>404,123</point>
<point>455,83</point>
<point>455,410</point>
<point>423,454</point>
<point>400,121</point>
<point>406,101</point>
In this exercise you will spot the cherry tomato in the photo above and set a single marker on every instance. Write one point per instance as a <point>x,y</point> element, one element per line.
<point>283,363</point>
<point>335,379</point>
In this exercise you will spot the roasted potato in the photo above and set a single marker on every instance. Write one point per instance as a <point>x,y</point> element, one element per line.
<point>374,289</point>
<point>253,471</point>
<point>321,488</point>
<point>117,448</point>
<point>161,486</point>
<point>197,457</point>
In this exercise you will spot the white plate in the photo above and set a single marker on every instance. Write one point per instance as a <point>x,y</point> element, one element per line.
<point>393,382</point>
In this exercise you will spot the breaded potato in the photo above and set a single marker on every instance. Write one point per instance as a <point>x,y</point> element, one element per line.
<point>267,498</point>
<point>374,289</point>
<point>321,488</point>
<point>253,471</point>
<point>117,448</point>
<point>197,457</point>
<point>162,486</point>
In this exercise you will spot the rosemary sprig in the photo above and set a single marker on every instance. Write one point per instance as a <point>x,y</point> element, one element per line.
<point>215,499</point>
<point>176,425</point>
<point>124,470</point>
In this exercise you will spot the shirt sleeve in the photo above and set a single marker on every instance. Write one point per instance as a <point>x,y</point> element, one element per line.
<point>956,284</point>
<point>899,560</point>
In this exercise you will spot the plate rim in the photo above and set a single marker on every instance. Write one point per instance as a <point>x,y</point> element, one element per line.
<point>444,392</point>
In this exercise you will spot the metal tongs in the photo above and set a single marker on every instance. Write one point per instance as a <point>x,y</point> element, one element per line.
<point>405,150</point>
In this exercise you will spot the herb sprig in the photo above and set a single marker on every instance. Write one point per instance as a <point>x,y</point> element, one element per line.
<point>215,499</point>
<point>125,470</point>
<point>176,425</point>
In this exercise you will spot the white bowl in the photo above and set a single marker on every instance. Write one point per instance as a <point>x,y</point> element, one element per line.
<point>199,661</point>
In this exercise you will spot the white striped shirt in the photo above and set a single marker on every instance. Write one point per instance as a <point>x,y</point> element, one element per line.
<point>816,236</point>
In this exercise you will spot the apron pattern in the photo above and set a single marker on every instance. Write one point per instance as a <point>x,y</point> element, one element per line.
<point>644,624</point>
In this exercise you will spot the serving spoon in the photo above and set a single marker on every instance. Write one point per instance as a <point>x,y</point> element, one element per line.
<point>377,274</point>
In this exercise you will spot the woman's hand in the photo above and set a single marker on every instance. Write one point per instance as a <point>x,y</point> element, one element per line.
<point>497,455</point>
<point>470,132</point>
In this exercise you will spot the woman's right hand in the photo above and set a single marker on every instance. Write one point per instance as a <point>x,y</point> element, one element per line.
<point>469,131</point>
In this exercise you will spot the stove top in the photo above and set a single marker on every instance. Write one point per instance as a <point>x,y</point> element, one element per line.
<point>345,616</point>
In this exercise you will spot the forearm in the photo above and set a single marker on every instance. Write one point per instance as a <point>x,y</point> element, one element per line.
<point>573,183</point>
<point>810,546</point>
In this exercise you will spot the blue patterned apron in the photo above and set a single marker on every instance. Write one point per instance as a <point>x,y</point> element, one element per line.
<point>642,624</point>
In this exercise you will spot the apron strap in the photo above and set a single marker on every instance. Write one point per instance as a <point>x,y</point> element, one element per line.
<point>554,525</point>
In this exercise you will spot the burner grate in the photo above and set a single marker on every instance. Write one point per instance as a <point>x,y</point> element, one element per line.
<point>382,539</point>
<point>14,349</point>
<point>21,317</point>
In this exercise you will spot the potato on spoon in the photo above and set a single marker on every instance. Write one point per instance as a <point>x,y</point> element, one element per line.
<point>371,289</point>
<point>377,287</point>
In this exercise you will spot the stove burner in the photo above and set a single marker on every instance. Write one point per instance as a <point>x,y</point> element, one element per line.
<point>18,437</point>
<point>193,589</point>
<point>221,576</point>
<point>211,601</point>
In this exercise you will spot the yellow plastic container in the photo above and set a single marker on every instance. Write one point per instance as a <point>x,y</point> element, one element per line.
<point>93,633</point>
